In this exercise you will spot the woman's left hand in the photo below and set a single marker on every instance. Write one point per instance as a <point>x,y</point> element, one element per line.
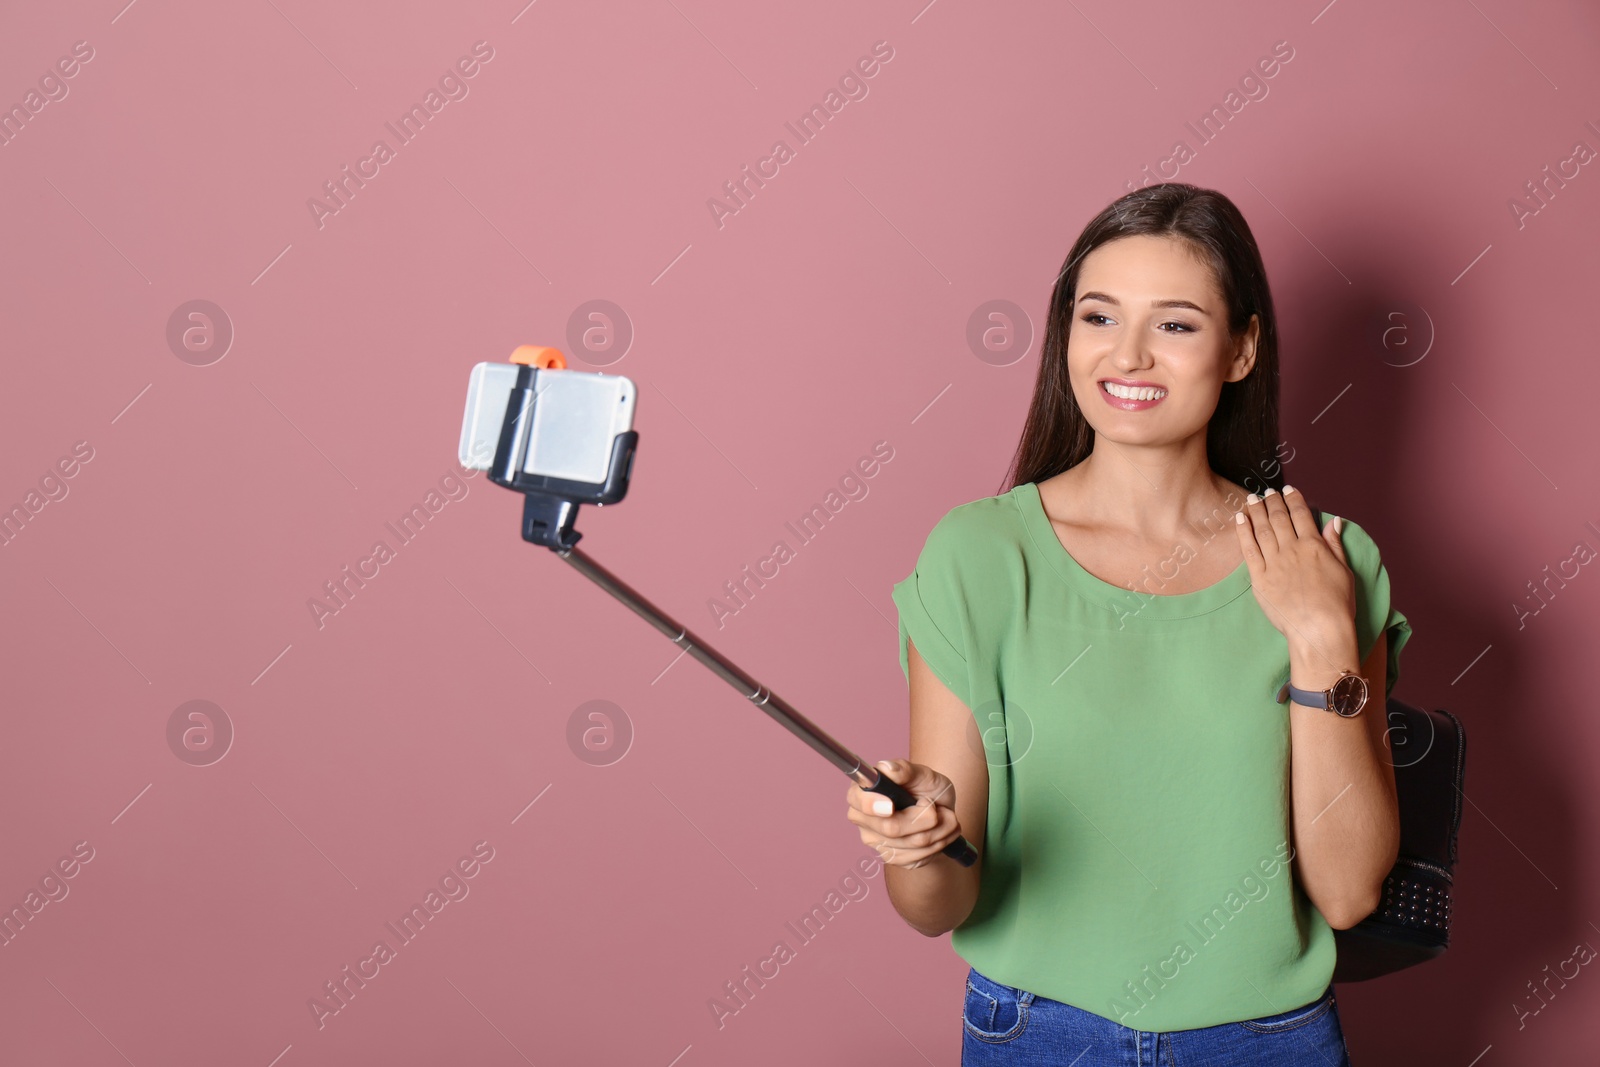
<point>1299,574</point>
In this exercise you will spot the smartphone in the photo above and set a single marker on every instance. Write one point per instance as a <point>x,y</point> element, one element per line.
<point>558,432</point>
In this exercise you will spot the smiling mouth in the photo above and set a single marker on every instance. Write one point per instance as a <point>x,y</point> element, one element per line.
<point>1138,392</point>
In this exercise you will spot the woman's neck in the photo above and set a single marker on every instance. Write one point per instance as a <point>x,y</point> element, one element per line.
<point>1153,494</point>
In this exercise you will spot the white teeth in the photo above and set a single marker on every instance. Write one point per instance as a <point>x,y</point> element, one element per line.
<point>1148,392</point>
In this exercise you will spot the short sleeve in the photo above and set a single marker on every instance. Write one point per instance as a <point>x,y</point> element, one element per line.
<point>932,612</point>
<point>1375,613</point>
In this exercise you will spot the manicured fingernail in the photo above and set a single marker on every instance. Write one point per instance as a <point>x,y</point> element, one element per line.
<point>883,807</point>
<point>1288,489</point>
<point>1252,499</point>
<point>1269,491</point>
<point>1338,524</point>
<point>883,765</point>
<point>1238,516</point>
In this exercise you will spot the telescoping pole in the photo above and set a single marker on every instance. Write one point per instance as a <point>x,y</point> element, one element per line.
<point>867,777</point>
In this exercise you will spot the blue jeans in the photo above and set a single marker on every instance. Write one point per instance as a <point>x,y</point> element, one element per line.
<point>1005,1025</point>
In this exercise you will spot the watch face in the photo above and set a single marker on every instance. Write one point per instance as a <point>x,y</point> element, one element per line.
<point>1349,695</point>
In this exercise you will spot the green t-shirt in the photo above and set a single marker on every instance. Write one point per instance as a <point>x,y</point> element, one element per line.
<point>1139,821</point>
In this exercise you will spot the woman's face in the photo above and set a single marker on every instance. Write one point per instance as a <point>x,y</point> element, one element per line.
<point>1148,311</point>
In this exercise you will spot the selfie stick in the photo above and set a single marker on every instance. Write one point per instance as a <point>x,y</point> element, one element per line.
<point>548,512</point>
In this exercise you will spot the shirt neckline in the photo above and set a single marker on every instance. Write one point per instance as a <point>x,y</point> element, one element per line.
<point>1116,598</point>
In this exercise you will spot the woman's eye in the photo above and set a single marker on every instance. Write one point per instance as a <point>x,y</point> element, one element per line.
<point>1182,326</point>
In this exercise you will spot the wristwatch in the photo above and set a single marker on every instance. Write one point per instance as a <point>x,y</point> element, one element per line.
<point>1345,697</point>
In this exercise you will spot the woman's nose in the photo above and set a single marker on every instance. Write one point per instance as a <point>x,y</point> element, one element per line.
<point>1132,353</point>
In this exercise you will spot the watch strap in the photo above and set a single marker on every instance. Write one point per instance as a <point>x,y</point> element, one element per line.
<point>1311,698</point>
<point>1315,698</point>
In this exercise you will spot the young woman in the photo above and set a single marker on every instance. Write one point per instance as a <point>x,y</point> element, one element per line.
<point>1097,661</point>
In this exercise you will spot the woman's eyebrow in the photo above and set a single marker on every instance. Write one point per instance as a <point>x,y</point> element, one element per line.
<point>1153,303</point>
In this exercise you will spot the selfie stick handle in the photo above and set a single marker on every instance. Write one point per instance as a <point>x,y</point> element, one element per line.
<point>867,777</point>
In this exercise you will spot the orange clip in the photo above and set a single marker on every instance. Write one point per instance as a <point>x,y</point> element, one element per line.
<point>538,356</point>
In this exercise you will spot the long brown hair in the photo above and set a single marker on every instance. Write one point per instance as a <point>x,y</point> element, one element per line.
<point>1242,434</point>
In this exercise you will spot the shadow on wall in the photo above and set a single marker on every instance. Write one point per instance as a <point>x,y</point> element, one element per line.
<point>1372,332</point>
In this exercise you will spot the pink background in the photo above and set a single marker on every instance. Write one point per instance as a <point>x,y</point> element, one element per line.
<point>771,353</point>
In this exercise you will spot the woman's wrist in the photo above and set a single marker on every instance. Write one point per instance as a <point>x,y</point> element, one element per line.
<point>1318,658</point>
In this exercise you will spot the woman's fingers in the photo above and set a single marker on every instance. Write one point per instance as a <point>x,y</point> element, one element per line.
<point>1247,540</point>
<point>919,818</point>
<point>906,838</point>
<point>1254,539</point>
<point>1275,521</point>
<point>1305,523</point>
<point>912,858</point>
<point>1278,518</point>
<point>1259,520</point>
<point>913,827</point>
<point>933,837</point>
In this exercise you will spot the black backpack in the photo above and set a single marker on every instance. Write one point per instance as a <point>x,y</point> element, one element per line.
<point>1412,924</point>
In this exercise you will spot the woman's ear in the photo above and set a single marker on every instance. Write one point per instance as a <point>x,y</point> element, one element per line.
<point>1244,357</point>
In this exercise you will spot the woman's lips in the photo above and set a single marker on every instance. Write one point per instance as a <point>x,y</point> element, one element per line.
<point>1125,404</point>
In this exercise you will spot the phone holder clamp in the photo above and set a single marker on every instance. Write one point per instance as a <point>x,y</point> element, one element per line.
<point>550,504</point>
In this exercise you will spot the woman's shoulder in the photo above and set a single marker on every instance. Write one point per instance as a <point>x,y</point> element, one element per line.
<point>978,521</point>
<point>969,539</point>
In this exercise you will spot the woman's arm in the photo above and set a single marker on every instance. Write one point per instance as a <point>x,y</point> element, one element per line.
<point>1346,812</point>
<point>938,896</point>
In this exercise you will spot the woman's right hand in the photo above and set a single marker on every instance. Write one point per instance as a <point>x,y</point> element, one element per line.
<point>911,836</point>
